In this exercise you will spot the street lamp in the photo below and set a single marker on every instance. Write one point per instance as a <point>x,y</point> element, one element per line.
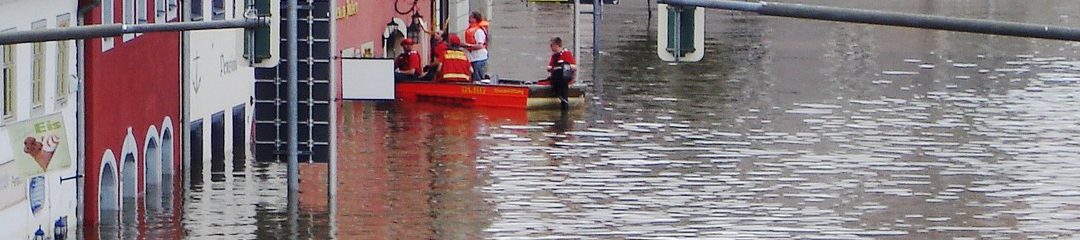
<point>390,28</point>
<point>60,229</point>
<point>39,234</point>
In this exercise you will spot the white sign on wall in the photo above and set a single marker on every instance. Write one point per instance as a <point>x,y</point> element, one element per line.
<point>367,78</point>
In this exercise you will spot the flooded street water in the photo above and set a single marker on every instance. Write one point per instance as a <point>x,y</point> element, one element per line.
<point>788,129</point>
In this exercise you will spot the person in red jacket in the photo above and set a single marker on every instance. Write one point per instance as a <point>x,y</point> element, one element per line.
<point>407,65</point>
<point>562,67</point>
<point>455,65</point>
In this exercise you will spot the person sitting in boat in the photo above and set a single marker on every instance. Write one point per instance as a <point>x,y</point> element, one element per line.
<point>438,40</point>
<point>561,62</point>
<point>455,66</point>
<point>407,64</point>
<point>562,67</point>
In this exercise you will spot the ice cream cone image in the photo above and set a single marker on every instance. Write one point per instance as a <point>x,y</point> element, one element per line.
<point>41,151</point>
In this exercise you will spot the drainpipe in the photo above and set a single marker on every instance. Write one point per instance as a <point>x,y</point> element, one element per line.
<point>80,119</point>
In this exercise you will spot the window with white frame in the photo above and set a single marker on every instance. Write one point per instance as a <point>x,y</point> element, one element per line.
<point>173,6</point>
<point>38,68</point>
<point>62,61</point>
<point>129,17</point>
<point>140,12</point>
<point>160,11</point>
<point>7,63</point>
<point>197,10</point>
<point>218,9</point>
<point>106,18</point>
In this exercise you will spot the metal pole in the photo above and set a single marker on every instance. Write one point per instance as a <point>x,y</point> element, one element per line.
<point>293,157</point>
<point>577,32</point>
<point>890,19</point>
<point>97,31</point>
<point>598,16</point>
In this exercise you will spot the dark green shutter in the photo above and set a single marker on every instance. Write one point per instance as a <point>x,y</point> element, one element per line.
<point>685,24</point>
<point>257,41</point>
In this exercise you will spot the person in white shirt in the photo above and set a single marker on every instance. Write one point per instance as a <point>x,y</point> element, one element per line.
<point>476,43</point>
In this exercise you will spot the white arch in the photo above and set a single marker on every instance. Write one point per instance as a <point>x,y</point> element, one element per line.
<point>167,163</point>
<point>152,169</point>
<point>108,190</point>
<point>129,176</point>
<point>394,47</point>
<point>167,151</point>
<point>152,156</point>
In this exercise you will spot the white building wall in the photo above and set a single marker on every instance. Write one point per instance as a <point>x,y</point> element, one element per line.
<point>61,200</point>
<point>218,78</point>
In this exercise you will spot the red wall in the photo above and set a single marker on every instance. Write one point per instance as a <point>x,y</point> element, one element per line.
<point>136,84</point>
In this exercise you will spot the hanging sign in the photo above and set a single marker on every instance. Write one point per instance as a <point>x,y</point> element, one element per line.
<point>40,145</point>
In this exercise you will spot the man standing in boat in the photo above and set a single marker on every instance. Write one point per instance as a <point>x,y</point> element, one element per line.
<point>562,67</point>
<point>407,65</point>
<point>455,65</point>
<point>476,43</point>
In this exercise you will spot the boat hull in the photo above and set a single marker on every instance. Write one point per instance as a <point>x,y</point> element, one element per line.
<point>487,95</point>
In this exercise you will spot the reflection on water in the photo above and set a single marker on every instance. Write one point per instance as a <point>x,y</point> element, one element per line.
<point>408,171</point>
<point>788,129</point>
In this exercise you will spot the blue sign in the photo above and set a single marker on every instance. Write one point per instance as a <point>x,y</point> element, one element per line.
<point>37,193</point>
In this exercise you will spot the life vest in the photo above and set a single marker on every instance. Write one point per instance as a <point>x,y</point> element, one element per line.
<point>455,66</point>
<point>487,32</point>
<point>470,34</point>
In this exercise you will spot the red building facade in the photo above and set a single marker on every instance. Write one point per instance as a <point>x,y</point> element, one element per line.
<point>132,112</point>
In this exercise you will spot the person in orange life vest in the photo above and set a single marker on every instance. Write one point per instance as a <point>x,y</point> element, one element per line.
<point>407,64</point>
<point>455,66</point>
<point>476,43</point>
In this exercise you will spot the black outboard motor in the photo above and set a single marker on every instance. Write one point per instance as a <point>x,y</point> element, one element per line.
<point>561,75</point>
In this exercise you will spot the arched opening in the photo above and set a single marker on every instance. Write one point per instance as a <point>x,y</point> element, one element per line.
<point>392,39</point>
<point>152,169</point>
<point>167,172</point>
<point>129,177</point>
<point>108,204</point>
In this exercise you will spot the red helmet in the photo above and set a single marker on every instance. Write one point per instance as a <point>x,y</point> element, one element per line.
<point>454,39</point>
<point>407,41</point>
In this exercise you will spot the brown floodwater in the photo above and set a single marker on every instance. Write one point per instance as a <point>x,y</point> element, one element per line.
<point>787,129</point>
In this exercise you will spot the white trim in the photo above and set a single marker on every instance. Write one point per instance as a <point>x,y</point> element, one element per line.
<point>108,159</point>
